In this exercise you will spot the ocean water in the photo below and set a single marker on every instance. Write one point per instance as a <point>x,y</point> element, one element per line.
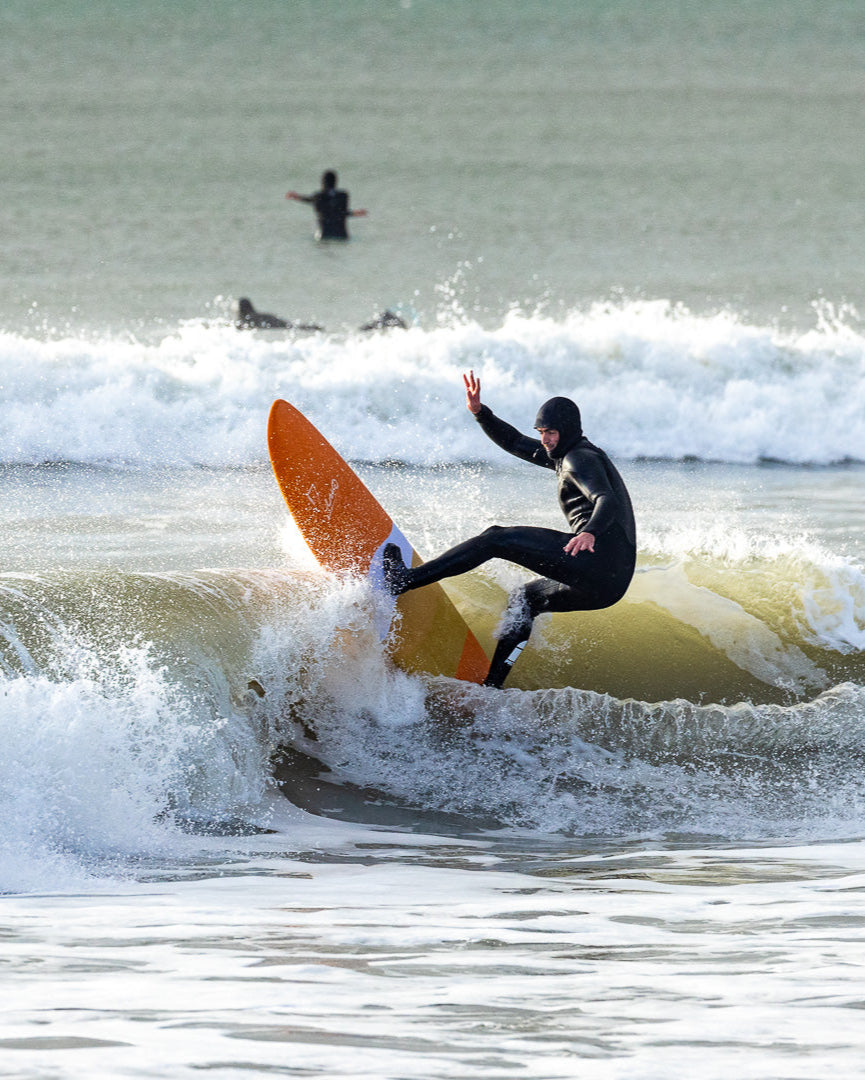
<point>235,840</point>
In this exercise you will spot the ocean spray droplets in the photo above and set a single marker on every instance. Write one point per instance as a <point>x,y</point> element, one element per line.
<point>99,765</point>
<point>576,762</point>
<point>563,760</point>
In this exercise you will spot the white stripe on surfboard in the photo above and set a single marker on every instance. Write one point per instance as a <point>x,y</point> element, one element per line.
<point>385,602</point>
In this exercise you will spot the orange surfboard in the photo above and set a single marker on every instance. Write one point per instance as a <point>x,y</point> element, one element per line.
<point>347,529</point>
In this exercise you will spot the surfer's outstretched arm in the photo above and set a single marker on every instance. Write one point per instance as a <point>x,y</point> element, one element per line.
<point>502,434</point>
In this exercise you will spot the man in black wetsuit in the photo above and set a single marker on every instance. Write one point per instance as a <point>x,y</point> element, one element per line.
<point>250,319</point>
<point>588,568</point>
<point>331,208</point>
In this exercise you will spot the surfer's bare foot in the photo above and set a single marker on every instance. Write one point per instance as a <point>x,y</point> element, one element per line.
<point>396,573</point>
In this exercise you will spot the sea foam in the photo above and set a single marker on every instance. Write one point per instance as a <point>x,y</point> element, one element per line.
<point>653,380</point>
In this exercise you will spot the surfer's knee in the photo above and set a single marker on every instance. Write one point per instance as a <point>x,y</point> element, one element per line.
<point>518,616</point>
<point>490,538</point>
<point>499,541</point>
<point>536,595</point>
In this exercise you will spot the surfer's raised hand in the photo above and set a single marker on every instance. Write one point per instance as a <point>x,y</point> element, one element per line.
<point>473,393</point>
<point>583,541</point>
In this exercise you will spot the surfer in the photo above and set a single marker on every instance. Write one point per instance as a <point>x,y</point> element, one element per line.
<point>331,208</point>
<point>250,319</point>
<point>387,320</point>
<point>588,568</point>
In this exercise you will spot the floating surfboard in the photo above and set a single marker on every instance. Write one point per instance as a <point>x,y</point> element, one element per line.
<point>347,529</point>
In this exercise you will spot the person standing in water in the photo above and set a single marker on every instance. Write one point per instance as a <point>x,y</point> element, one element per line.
<point>587,568</point>
<point>331,208</point>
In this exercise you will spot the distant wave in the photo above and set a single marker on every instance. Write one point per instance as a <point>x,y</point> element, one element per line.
<point>653,380</point>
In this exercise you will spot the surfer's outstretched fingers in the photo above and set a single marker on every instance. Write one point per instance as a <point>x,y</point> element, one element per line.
<point>473,392</point>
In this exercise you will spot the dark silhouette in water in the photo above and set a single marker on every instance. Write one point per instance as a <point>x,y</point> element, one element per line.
<point>250,319</point>
<point>386,321</point>
<point>331,208</point>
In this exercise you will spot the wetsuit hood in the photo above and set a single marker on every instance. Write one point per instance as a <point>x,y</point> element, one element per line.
<point>562,415</point>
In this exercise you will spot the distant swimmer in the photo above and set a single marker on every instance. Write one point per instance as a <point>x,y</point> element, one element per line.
<point>388,320</point>
<point>588,568</point>
<point>331,208</point>
<point>250,319</point>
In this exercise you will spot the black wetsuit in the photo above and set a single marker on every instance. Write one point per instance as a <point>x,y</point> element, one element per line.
<point>593,498</point>
<point>250,319</point>
<point>331,209</point>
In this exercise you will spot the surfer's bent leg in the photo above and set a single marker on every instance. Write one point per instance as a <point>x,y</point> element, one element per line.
<point>582,582</point>
<point>514,633</point>
<point>538,597</point>
<point>602,586</point>
<point>524,605</point>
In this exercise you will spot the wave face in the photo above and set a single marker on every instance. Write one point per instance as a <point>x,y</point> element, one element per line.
<point>652,379</point>
<point>137,707</point>
<point>786,761</point>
